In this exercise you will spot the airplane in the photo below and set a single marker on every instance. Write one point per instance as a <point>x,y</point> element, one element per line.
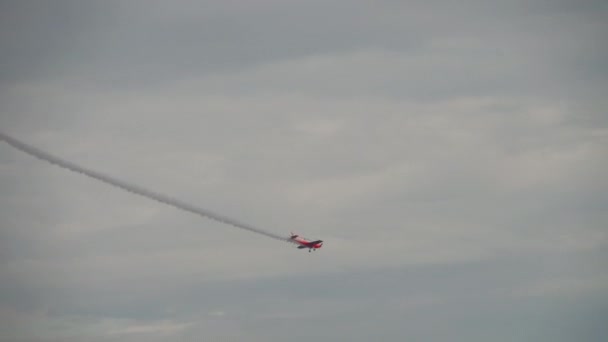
<point>305,243</point>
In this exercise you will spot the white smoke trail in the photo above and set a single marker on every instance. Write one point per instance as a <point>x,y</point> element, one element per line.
<point>133,188</point>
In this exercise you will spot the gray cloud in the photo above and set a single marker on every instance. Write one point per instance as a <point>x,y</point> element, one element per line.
<point>451,156</point>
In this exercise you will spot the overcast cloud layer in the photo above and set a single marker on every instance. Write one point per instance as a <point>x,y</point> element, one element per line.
<point>451,155</point>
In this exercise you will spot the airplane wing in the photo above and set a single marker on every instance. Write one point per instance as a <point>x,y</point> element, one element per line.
<point>300,247</point>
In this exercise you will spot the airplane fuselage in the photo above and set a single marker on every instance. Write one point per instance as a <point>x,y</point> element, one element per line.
<point>305,243</point>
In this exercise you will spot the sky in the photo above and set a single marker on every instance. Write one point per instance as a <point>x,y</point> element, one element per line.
<point>451,155</point>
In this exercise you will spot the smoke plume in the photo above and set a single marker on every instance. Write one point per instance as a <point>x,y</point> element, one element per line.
<point>134,188</point>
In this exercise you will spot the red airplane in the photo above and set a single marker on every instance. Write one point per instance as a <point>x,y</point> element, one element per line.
<point>305,243</point>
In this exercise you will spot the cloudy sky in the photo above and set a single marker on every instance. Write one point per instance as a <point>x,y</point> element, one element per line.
<point>451,155</point>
